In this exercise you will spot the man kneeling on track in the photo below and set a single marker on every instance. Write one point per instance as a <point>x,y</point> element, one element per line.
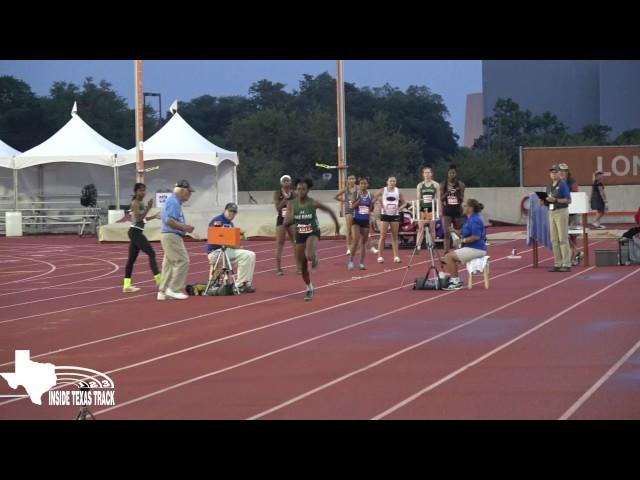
<point>472,243</point>
<point>244,259</point>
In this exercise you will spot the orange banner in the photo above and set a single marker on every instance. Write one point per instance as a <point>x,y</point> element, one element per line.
<point>620,164</point>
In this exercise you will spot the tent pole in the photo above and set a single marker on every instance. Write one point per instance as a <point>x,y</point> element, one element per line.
<point>116,179</point>
<point>235,183</point>
<point>217,190</point>
<point>342,151</point>
<point>41,182</point>
<point>15,185</point>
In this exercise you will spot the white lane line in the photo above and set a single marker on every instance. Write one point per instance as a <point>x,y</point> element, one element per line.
<point>572,409</point>
<point>295,345</point>
<point>11,320</point>
<point>51,270</point>
<point>408,349</point>
<point>497,349</point>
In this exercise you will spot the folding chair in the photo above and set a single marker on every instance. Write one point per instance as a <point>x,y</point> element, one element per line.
<point>479,265</point>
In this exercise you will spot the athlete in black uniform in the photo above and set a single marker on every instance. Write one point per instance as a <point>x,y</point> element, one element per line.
<point>280,199</point>
<point>138,240</point>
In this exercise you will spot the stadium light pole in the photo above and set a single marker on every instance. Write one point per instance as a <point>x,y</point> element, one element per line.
<point>139,121</point>
<point>342,140</point>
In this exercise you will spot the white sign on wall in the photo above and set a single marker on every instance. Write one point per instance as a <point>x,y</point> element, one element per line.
<point>161,199</point>
<point>579,203</point>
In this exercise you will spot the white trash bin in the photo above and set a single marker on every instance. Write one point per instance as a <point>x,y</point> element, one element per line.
<point>114,216</point>
<point>13,224</point>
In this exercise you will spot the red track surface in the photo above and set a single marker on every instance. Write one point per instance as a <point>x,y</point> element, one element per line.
<point>535,345</point>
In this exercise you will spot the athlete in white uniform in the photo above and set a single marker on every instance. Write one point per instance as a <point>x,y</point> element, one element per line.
<point>392,201</point>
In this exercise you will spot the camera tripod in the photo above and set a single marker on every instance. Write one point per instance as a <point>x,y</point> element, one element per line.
<point>84,412</point>
<point>432,268</point>
<point>221,272</point>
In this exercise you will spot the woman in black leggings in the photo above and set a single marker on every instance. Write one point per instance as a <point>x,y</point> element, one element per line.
<point>138,241</point>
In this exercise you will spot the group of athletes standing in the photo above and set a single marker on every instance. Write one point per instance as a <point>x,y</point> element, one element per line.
<point>297,217</point>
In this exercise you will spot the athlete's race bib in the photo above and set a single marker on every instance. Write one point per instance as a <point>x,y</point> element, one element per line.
<point>304,229</point>
<point>391,208</point>
<point>427,198</point>
<point>363,210</point>
<point>452,200</point>
<point>284,212</point>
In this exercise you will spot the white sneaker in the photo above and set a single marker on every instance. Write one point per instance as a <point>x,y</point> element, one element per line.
<point>380,260</point>
<point>374,250</point>
<point>176,295</point>
<point>161,296</point>
<point>348,252</point>
<point>396,260</point>
<point>130,289</point>
<point>455,286</point>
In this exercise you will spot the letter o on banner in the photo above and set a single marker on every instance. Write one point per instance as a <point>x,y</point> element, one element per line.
<point>524,206</point>
<point>614,166</point>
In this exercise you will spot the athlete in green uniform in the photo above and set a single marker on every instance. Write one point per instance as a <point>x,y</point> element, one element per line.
<point>301,212</point>
<point>428,195</point>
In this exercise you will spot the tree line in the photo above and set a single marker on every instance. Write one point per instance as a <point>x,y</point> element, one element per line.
<point>274,131</point>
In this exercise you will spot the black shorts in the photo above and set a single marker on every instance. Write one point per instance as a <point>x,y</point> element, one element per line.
<point>362,223</point>
<point>453,211</point>
<point>301,238</point>
<point>279,221</point>
<point>597,204</point>
<point>390,218</point>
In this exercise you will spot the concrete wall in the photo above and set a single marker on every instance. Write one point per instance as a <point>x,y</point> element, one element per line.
<point>500,203</point>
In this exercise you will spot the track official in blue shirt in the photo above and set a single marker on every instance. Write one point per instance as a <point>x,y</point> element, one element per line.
<point>175,265</point>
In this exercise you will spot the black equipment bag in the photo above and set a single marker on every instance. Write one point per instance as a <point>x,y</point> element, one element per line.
<point>89,196</point>
<point>423,283</point>
<point>215,290</point>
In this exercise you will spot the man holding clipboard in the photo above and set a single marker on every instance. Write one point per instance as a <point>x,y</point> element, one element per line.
<point>558,198</point>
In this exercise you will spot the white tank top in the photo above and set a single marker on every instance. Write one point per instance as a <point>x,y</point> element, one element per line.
<point>390,201</point>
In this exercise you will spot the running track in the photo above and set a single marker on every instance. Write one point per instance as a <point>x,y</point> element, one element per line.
<point>536,345</point>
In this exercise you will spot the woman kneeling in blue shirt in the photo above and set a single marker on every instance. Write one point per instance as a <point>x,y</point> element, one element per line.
<point>471,245</point>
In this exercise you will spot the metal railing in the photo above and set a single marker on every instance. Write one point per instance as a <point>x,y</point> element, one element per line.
<point>43,216</point>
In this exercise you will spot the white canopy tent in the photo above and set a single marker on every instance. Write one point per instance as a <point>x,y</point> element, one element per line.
<point>169,148</point>
<point>6,154</point>
<point>76,143</point>
<point>6,162</point>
